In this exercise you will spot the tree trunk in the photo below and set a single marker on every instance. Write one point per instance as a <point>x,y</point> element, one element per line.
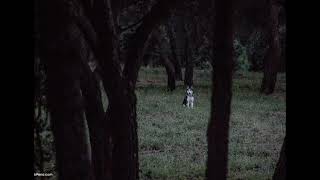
<point>121,111</point>
<point>158,13</point>
<point>61,44</point>
<point>99,129</point>
<point>218,127</point>
<point>170,72</point>
<point>271,62</point>
<point>175,60</point>
<point>67,112</point>
<point>158,36</point>
<point>188,74</point>
<point>280,172</point>
<point>180,38</point>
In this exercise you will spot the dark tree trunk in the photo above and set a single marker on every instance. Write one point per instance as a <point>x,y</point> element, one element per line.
<point>61,44</point>
<point>98,127</point>
<point>175,60</point>
<point>218,127</point>
<point>67,111</point>
<point>271,62</point>
<point>280,172</point>
<point>180,38</point>
<point>158,36</point>
<point>121,111</point>
<point>188,74</point>
<point>170,72</point>
<point>158,13</point>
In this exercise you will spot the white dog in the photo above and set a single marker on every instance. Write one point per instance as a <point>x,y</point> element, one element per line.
<point>188,99</point>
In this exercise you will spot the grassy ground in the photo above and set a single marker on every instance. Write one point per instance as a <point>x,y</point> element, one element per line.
<point>172,139</point>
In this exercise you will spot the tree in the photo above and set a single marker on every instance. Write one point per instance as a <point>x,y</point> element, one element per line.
<point>188,75</point>
<point>61,45</point>
<point>280,172</point>
<point>97,126</point>
<point>119,85</point>
<point>180,38</point>
<point>158,35</point>
<point>271,62</point>
<point>218,127</point>
<point>175,60</point>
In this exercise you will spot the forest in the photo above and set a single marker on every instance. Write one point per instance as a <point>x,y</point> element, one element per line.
<point>111,78</point>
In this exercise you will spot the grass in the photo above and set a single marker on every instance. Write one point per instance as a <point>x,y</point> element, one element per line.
<point>172,139</point>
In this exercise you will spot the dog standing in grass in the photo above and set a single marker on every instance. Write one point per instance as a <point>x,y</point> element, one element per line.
<point>188,99</point>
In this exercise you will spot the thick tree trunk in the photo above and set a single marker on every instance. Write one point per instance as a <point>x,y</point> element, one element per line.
<point>73,149</point>
<point>158,13</point>
<point>121,110</point>
<point>271,62</point>
<point>60,49</point>
<point>120,89</point>
<point>186,55</point>
<point>99,129</point>
<point>280,172</point>
<point>218,127</point>
<point>170,72</point>
<point>180,38</point>
<point>158,36</point>
<point>188,74</point>
<point>175,60</point>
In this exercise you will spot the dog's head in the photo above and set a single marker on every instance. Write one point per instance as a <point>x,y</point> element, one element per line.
<point>189,91</point>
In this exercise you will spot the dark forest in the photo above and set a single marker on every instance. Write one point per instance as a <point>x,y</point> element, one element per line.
<point>159,89</point>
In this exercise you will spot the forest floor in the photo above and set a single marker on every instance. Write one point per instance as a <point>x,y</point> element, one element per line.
<point>172,138</point>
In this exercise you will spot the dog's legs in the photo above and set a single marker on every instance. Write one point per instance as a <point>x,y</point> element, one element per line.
<point>191,105</point>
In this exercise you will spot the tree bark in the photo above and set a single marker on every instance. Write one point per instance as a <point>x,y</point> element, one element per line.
<point>271,62</point>
<point>120,90</point>
<point>67,113</point>
<point>158,36</point>
<point>170,72</point>
<point>175,60</point>
<point>218,127</point>
<point>121,111</point>
<point>60,41</point>
<point>99,129</point>
<point>180,38</point>
<point>158,13</point>
<point>280,172</point>
<point>188,74</point>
